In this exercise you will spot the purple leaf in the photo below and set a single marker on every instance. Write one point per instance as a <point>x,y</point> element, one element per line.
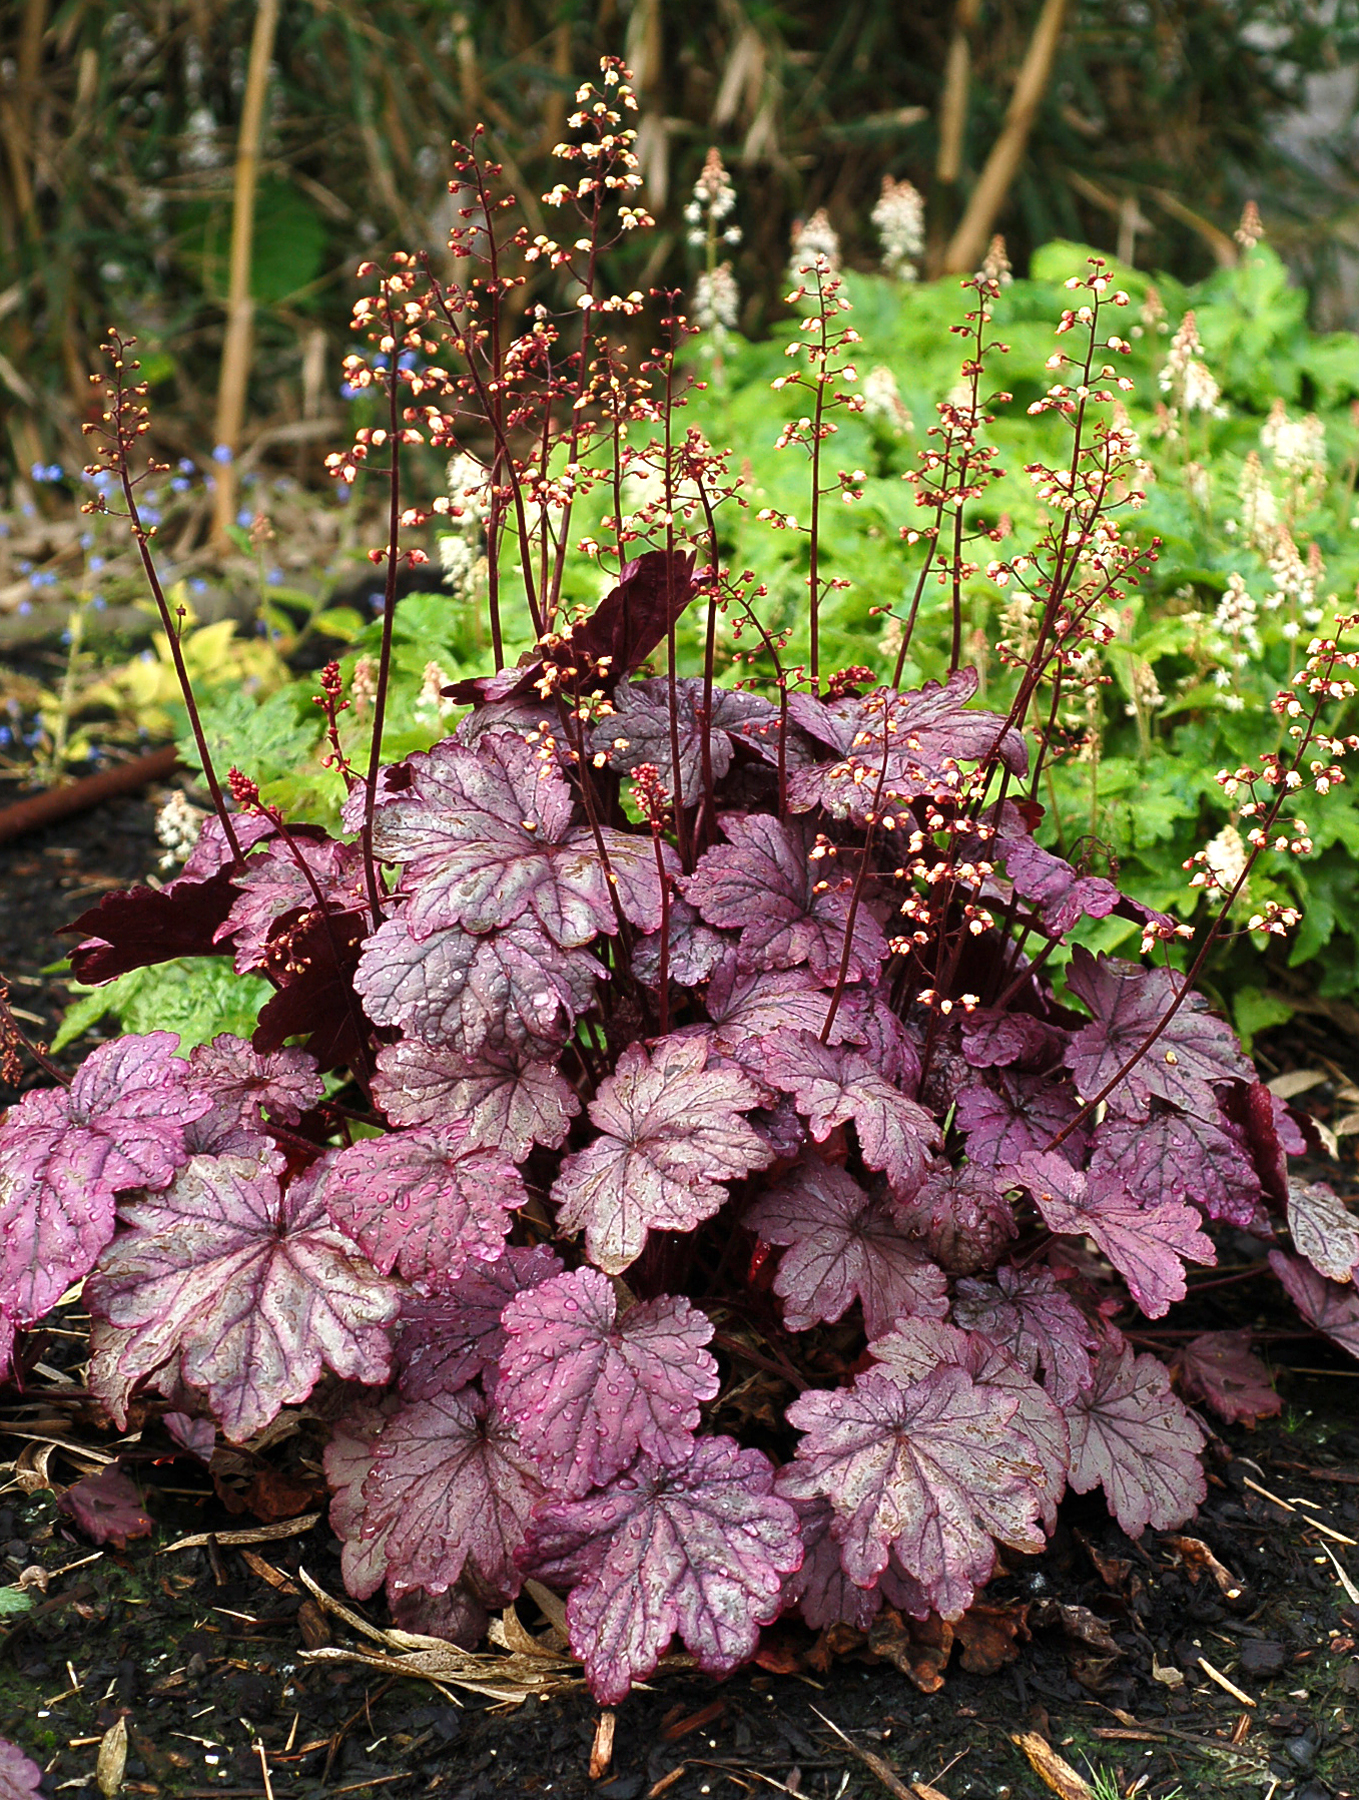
<point>671,1132</point>
<point>842,1086</point>
<point>699,1550</point>
<point>1219,1368</point>
<point>845,1245</point>
<point>65,1153</point>
<point>1323,1229</point>
<point>638,730</point>
<point>694,949</point>
<point>253,1290</point>
<point>1012,1113</point>
<point>502,1097</point>
<point>450,1493</point>
<point>820,1589</point>
<point>19,1777</point>
<point>920,737</point>
<point>1063,897</point>
<point>196,1437</point>
<point>463,991</point>
<point>140,925</point>
<point>241,1081</point>
<point>1131,1436</point>
<point>1326,1305</point>
<point>270,884</point>
<point>1268,1134</point>
<point>746,1006</point>
<point>588,1390</point>
<point>1174,1153</point>
<point>962,1215</point>
<point>422,1202</point>
<point>448,1338</point>
<point>914,1348</point>
<point>456,1616</point>
<point>313,957</point>
<point>107,1508</point>
<point>994,1039</point>
<point>1028,1314</point>
<point>790,903</point>
<point>349,1455</point>
<point>1144,1242</point>
<point>486,838</point>
<point>1127,1003</point>
<point>927,1470</point>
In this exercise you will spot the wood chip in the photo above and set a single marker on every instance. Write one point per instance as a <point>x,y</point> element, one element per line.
<point>1054,1771</point>
<point>601,1751</point>
<point>1228,1687</point>
<point>267,1572</point>
<point>259,1534</point>
<point>666,1782</point>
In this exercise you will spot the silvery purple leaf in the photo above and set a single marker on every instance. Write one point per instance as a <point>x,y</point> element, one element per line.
<point>843,1245</point>
<point>671,1132</point>
<point>464,991</point>
<point>1063,898</point>
<point>448,1338</point>
<point>1219,1369</point>
<point>1011,1113</point>
<point>64,1153</point>
<point>285,1083</point>
<point>820,1589</point>
<point>588,1390</point>
<point>348,1462</point>
<point>925,1471</point>
<point>994,1039</point>
<point>421,1201</point>
<point>107,1507</point>
<point>638,731</point>
<point>19,1775</point>
<point>1328,1306</point>
<point>503,1097</point>
<point>450,1493</point>
<point>746,1005</point>
<point>1028,1314</point>
<point>253,1289</point>
<point>1323,1229</point>
<point>1131,1436</point>
<point>789,900</point>
<point>1127,1003</point>
<point>694,949</point>
<point>699,1550</point>
<point>962,1215</point>
<point>839,1086</point>
<point>917,737</point>
<point>456,1615</point>
<point>1145,1243</point>
<point>1179,1154</point>
<point>271,883</point>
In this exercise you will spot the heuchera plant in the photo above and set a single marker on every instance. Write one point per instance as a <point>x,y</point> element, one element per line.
<point>667,1142</point>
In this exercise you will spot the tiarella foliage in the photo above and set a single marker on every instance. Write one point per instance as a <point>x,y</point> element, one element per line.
<point>656,1060</point>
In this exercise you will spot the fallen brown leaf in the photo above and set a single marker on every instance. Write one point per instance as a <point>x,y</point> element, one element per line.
<point>920,1648</point>
<point>1052,1770</point>
<point>1198,1559</point>
<point>112,1759</point>
<point>988,1634</point>
<point>601,1751</point>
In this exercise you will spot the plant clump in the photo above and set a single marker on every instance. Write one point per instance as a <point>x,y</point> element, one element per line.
<point>687,1143</point>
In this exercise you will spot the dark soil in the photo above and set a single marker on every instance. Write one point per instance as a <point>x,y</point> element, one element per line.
<point>1099,1646</point>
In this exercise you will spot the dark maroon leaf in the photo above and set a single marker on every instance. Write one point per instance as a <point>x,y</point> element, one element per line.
<point>1220,1369</point>
<point>694,949</point>
<point>788,898</point>
<point>1127,1004</point>
<point>835,1086</point>
<point>994,1039</point>
<point>1011,1113</point>
<point>141,925</point>
<point>1027,1313</point>
<point>962,1215</point>
<point>466,992</point>
<point>456,1616</point>
<point>671,1132</point>
<point>502,1097</point>
<point>926,1470</point>
<point>314,960</point>
<point>1328,1306</point>
<point>1144,1241</point>
<point>421,1201</point>
<point>1267,1134</point>
<point>1323,1229</point>
<point>449,1494</point>
<point>197,1437</point>
<point>253,1291</point>
<point>844,1245</point>
<point>638,730</point>
<point>699,1550</point>
<point>65,1152</point>
<point>1131,1436</point>
<point>270,885</point>
<point>107,1508</point>
<point>1177,1154</point>
<point>448,1338</point>
<point>588,1390</point>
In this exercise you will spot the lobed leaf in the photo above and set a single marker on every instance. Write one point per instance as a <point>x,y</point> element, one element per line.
<point>1132,1437</point>
<point>1328,1306</point>
<point>1219,1368</point>
<point>639,729</point>
<point>962,1215</point>
<point>503,1097</point>
<point>1323,1229</point>
<point>1012,1114</point>
<point>1178,1154</point>
<point>447,1338</point>
<point>1028,1314</point>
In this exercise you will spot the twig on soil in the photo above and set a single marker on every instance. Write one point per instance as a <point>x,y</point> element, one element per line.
<point>1228,1687</point>
<point>883,1770</point>
<point>1345,1581</point>
<point>260,1534</point>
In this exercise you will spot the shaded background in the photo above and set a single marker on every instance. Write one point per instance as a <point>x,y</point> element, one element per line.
<point>122,125</point>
